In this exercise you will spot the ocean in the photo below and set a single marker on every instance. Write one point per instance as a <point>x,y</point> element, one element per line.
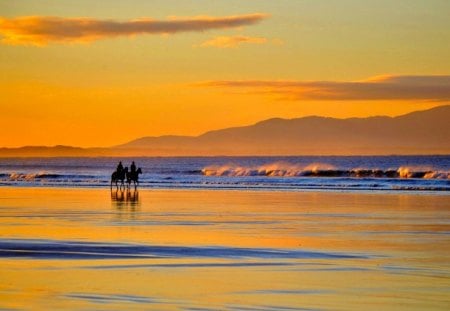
<point>296,173</point>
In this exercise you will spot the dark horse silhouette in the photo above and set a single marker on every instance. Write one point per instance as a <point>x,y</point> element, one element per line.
<point>117,177</point>
<point>133,177</point>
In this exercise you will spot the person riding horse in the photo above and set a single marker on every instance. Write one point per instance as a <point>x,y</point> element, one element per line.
<point>119,168</point>
<point>133,175</point>
<point>119,175</point>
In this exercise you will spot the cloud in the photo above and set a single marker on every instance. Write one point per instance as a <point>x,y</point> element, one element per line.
<point>388,87</point>
<point>232,42</point>
<point>41,30</point>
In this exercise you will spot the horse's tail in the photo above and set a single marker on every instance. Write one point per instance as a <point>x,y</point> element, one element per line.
<point>128,177</point>
<point>113,178</point>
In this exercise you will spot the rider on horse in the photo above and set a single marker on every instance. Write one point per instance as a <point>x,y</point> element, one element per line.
<point>119,168</point>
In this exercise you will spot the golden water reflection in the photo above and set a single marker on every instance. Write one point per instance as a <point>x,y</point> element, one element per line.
<point>401,242</point>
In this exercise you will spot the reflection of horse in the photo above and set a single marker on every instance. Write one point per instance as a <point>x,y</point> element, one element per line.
<point>118,196</point>
<point>124,198</point>
<point>119,176</point>
<point>133,177</point>
<point>132,197</point>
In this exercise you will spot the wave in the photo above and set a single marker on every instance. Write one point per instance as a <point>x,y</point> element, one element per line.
<point>31,176</point>
<point>354,173</point>
<point>40,176</point>
<point>322,170</point>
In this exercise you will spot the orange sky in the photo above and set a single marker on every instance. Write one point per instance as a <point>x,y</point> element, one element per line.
<point>103,74</point>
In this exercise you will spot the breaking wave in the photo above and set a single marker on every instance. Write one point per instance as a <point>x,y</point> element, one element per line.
<point>37,176</point>
<point>322,170</point>
<point>355,173</point>
<point>32,176</point>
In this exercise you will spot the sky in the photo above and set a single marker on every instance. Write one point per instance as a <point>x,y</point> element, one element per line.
<point>101,73</point>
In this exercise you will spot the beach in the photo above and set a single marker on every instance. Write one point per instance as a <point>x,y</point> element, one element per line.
<point>175,249</point>
<point>225,155</point>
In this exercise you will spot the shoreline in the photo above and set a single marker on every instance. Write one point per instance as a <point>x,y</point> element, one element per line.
<point>377,192</point>
<point>424,175</point>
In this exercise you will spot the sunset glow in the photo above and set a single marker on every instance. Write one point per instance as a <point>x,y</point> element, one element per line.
<point>105,74</point>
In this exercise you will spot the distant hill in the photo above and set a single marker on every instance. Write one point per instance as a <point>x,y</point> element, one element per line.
<point>53,151</point>
<point>421,132</point>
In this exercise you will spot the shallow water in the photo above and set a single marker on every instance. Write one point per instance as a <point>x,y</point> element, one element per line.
<point>222,250</point>
<point>295,173</point>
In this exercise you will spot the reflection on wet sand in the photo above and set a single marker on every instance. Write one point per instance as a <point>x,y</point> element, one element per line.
<point>125,198</point>
<point>78,249</point>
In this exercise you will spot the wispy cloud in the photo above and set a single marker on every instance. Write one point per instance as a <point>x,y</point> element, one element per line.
<point>41,30</point>
<point>389,87</point>
<point>232,41</point>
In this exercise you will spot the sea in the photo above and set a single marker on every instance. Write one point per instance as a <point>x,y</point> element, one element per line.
<point>429,173</point>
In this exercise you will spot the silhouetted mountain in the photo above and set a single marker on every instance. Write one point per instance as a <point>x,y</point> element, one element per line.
<point>421,132</point>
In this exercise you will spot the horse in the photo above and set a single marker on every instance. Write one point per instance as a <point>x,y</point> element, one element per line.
<point>119,176</point>
<point>133,177</point>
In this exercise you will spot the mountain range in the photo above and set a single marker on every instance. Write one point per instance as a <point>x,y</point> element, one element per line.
<point>420,132</point>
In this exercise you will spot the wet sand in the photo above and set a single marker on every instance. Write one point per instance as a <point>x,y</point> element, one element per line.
<point>223,250</point>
